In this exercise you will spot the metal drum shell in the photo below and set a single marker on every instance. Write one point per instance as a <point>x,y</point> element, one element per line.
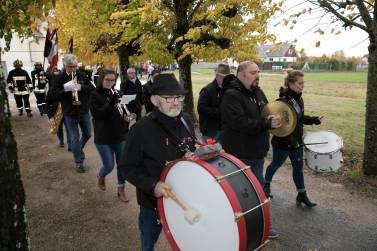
<point>323,162</point>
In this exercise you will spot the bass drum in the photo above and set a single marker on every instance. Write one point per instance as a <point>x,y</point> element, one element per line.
<point>323,158</point>
<point>198,184</point>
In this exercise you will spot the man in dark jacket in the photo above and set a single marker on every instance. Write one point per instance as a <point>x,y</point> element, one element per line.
<point>146,99</point>
<point>147,150</point>
<point>87,72</point>
<point>75,114</point>
<point>40,83</point>
<point>244,131</point>
<point>208,105</point>
<point>132,86</point>
<point>19,84</point>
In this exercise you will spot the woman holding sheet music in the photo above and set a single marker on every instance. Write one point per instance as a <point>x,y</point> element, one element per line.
<point>110,128</point>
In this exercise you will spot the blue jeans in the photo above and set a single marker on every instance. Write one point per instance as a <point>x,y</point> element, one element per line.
<point>256,166</point>
<point>107,156</point>
<point>60,133</point>
<point>73,122</point>
<point>217,137</point>
<point>149,229</point>
<point>278,158</point>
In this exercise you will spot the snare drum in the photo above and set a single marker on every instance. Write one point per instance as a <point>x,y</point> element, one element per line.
<point>324,158</point>
<point>218,189</point>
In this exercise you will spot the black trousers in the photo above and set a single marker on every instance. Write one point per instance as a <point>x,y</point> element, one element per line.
<point>19,99</point>
<point>41,99</point>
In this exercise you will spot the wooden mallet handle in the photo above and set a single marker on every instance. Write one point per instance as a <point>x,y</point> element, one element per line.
<point>171,195</point>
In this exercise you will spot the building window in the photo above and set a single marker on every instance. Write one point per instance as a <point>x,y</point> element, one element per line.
<point>271,59</point>
<point>284,59</point>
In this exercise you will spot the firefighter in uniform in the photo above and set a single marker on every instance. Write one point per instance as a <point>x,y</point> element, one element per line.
<point>40,84</point>
<point>19,83</point>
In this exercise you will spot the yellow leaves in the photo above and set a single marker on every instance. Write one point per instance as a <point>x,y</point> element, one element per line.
<point>318,44</point>
<point>291,27</point>
<point>361,20</point>
<point>286,22</point>
<point>5,7</point>
<point>293,48</point>
<point>332,30</point>
<point>21,16</point>
<point>294,21</point>
<point>117,15</point>
<point>277,46</point>
<point>286,42</point>
<point>338,32</point>
<point>302,50</point>
<point>179,39</point>
<point>319,31</point>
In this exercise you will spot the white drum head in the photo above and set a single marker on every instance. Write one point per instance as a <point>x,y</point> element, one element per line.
<point>196,188</point>
<point>334,141</point>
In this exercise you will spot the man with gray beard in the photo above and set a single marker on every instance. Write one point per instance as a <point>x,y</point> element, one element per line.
<point>147,150</point>
<point>132,86</point>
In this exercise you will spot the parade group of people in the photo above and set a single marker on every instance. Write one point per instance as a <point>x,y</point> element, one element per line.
<point>229,111</point>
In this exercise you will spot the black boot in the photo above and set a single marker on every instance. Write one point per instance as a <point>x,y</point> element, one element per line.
<point>41,112</point>
<point>20,112</point>
<point>267,190</point>
<point>29,113</point>
<point>302,197</point>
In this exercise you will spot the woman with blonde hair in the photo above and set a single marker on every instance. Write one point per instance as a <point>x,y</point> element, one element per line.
<point>289,146</point>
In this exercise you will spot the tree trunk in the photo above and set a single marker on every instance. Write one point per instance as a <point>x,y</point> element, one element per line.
<point>185,81</point>
<point>124,63</point>
<point>370,144</point>
<point>13,227</point>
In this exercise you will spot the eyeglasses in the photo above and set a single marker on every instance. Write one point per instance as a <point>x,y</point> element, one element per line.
<point>71,66</point>
<point>109,80</point>
<point>172,99</point>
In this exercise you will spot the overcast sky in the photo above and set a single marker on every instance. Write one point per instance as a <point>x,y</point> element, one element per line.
<point>351,41</point>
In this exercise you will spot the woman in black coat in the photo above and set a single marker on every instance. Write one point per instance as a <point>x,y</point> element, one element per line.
<point>289,146</point>
<point>110,128</point>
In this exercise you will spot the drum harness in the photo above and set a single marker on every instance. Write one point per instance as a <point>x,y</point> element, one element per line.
<point>295,106</point>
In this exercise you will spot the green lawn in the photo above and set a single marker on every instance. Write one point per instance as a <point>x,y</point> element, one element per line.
<point>341,102</point>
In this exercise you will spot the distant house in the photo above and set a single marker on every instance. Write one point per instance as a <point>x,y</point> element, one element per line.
<point>28,51</point>
<point>283,54</point>
<point>364,59</point>
<point>262,56</point>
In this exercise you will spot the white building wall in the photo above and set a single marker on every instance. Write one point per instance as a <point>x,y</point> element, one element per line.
<point>27,51</point>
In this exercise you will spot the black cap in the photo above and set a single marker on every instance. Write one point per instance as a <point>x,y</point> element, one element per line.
<point>166,84</point>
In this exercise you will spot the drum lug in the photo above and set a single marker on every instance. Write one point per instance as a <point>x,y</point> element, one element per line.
<point>222,163</point>
<point>167,163</point>
<point>159,222</point>
<point>315,156</point>
<point>219,178</point>
<point>330,155</point>
<point>238,216</point>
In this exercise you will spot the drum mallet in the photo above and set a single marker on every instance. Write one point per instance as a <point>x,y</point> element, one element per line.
<point>191,215</point>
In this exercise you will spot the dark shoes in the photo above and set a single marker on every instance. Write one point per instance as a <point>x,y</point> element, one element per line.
<point>29,114</point>
<point>80,168</point>
<point>82,155</point>
<point>20,112</point>
<point>302,197</point>
<point>61,144</point>
<point>69,149</point>
<point>273,234</point>
<point>267,190</point>
<point>41,111</point>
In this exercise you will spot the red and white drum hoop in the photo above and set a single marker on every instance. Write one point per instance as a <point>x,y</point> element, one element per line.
<point>195,185</point>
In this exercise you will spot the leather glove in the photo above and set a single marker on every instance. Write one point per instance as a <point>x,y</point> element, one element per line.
<point>115,98</point>
<point>132,105</point>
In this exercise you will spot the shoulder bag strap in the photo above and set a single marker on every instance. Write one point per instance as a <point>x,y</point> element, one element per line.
<point>173,138</point>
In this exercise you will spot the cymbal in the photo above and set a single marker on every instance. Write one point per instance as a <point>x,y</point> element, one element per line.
<point>288,117</point>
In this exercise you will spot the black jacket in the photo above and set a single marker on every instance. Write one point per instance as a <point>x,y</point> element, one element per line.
<point>146,151</point>
<point>40,80</point>
<point>88,74</point>
<point>51,105</point>
<point>146,98</point>
<point>19,81</point>
<point>244,133</point>
<point>289,142</point>
<point>66,98</point>
<point>129,88</point>
<point>208,109</point>
<point>109,126</point>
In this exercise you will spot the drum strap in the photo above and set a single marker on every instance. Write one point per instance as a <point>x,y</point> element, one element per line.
<point>189,131</point>
<point>173,138</point>
<point>295,105</point>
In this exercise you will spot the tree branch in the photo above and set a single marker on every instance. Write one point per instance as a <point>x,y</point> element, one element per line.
<point>328,7</point>
<point>195,10</point>
<point>364,12</point>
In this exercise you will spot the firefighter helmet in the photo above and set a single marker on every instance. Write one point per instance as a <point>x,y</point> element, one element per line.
<point>37,63</point>
<point>17,62</point>
<point>81,65</point>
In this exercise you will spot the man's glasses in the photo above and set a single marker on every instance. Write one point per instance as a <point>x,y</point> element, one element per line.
<point>172,99</point>
<point>71,66</point>
<point>109,80</point>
